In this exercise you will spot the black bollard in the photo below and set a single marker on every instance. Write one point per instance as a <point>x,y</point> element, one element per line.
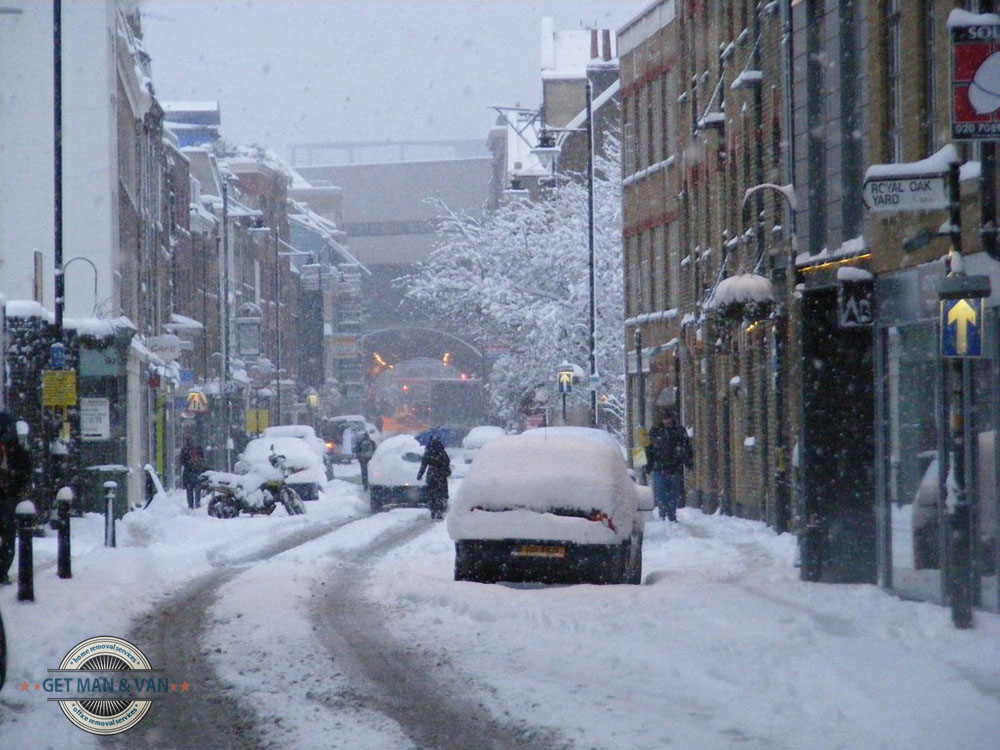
<point>64,499</point>
<point>25,513</point>
<point>110,489</point>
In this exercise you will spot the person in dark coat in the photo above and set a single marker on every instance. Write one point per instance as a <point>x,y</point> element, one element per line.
<point>364,449</point>
<point>15,474</point>
<point>667,455</point>
<point>192,465</point>
<point>437,465</point>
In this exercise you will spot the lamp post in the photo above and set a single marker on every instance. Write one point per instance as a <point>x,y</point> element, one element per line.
<point>546,151</point>
<point>590,256</point>
<point>783,501</point>
<point>224,293</point>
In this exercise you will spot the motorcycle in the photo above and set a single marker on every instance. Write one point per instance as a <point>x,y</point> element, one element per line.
<point>256,493</point>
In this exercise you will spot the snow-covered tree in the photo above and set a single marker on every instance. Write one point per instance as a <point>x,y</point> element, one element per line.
<point>518,280</point>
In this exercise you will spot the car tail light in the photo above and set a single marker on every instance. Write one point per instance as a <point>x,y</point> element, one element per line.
<point>330,446</point>
<point>599,516</point>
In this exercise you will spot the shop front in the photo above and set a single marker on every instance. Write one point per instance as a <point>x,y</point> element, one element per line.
<point>922,398</point>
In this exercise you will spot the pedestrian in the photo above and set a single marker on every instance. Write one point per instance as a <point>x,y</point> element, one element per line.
<point>437,464</point>
<point>364,449</point>
<point>192,465</point>
<point>667,455</point>
<point>15,474</point>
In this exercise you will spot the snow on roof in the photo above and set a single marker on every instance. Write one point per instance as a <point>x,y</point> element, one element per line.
<point>958,17</point>
<point>936,163</point>
<point>178,322</point>
<point>746,287</point>
<point>852,273</point>
<point>848,249</point>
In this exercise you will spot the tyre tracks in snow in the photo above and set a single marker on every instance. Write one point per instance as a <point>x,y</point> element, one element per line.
<point>170,637</point>
<point>410,684</point>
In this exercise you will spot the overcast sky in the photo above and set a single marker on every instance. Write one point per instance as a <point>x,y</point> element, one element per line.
<point>295,71</point>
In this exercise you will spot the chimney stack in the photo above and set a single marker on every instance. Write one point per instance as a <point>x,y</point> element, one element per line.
<point>606,44</point>
<point>593,44</point>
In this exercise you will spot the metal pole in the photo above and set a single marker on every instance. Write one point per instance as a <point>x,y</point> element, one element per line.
<point>224,327</point>
<point>110,488</point>
<point>25,513</point>
<point>277,319</point>
<point>590,255</point>
<point>60,289</point>
<point>64,499</point>
<point>640,380</point>
<point>959,511</point>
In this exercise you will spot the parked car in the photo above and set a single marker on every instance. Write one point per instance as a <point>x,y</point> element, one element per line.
<point>334,430</point>
<point>392,474</point>
<point>303,432</point>
<point>552,508</point>
<point>308,475</point>
<point>478,437</point>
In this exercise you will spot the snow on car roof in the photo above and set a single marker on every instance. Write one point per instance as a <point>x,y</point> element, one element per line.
<point>481,434</point>
<point>295,450</point>
<point>388,467</point>
<point>541,472</point>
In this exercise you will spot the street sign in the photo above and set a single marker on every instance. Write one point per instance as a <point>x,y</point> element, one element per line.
<point>593,380</point>
<point>95,419</point>
<point>917,193</point>
<point>975,80</point>
<point>962,327</point>
<point>59,388</point>
<point>565,380</point>
<point>197,403</point>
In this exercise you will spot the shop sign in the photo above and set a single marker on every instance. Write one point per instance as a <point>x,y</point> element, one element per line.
<point>855,303</point>
<point>975,81</point>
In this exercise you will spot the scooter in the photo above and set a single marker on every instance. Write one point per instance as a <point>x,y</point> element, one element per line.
<point>256,493</point>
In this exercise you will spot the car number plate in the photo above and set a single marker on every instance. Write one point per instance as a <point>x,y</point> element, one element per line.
<point>538,550</point>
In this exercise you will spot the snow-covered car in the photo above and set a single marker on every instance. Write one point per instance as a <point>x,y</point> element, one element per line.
<point>392,473</point>
<point>308,475</point>
<point>478,437</point>
<point>549,508</point>
<point>338,435</point>
<point>303,432</point>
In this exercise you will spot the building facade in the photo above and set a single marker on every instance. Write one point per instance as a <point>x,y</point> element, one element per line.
<point>799,333</point>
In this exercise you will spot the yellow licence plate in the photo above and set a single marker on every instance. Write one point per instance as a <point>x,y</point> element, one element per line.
<point>538,550</point>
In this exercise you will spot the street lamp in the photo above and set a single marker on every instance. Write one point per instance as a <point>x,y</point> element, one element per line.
<point>783,509</point>
<point>546,151</point>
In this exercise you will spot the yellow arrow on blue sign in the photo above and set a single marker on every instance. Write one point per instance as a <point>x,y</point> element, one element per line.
<point>961,327</point>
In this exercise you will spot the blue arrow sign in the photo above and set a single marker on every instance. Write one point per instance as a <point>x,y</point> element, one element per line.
<point>962,327</point>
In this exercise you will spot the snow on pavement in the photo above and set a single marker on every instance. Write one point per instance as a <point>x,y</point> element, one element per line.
<point>722,646</point>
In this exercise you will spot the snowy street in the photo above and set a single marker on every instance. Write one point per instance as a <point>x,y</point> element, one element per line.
<point>338,629</point>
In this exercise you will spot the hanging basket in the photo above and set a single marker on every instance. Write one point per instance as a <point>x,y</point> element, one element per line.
<point>742,298</point>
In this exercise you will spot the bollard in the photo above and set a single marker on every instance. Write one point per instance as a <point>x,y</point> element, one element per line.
<point>64,499</point>
<point>812,550</point>
<point>25,513</point>
<point>110,489</point>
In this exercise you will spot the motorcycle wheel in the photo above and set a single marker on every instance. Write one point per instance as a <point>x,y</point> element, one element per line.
<point>292,502</point>
<point>219,506</point>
